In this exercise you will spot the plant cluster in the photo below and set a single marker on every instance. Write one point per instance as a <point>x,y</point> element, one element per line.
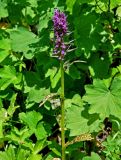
<point>54,104</point>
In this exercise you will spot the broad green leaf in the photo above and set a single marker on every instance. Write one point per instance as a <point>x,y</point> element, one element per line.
<point>108,4</point>
<point>43,21</point>
<point>46,13</point>
<point>103,64</point>
<point>51,72</point>
<point>23,40</point>
<point>115,3</point>
<point>55,75</point>
<point>7,72</point>
<point>3,9</point>
<point>103,100</point>
<point>77,100</point>
<point>39,146</point>
<point>74,72</point>
<point>102,6</point>
<point>70,5</point>
<point>78,121</point>
<point>94,156</point>
<point>28,11</point>
<point>32,3</point>
<point>118,12</point>
<point>87,30</point>
<point>9,154</point>
<point>35,157</point>
<point>30,79</point>
<point>5,48</point>
<point>40,132</point>
<point>9,76</point>
<point>55,79</point>
<point>37,94</point>
<point>30,119</point>
<point>75,121</point>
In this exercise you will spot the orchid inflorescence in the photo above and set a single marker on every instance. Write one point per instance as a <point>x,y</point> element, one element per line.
<point>60,30</point>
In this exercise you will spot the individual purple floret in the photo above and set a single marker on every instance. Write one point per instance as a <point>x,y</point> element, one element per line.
<point>60,30</point>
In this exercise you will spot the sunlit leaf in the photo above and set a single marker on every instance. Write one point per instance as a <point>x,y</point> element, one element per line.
<point>8,76</point>
<point>23,41</point>
<point>55,75</point>
<point>3,9</point>
<point>35,156</point>
<point>77,120</point>
<point>42,131</point>
<point>31,119</point>
<point>5,48</point>
<point>94,156</point>
<point>37,95</point>
<point>70,5</point>
<point>103,100</point>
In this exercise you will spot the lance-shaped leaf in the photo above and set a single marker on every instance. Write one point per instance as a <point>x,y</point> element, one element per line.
<point>103,100</point>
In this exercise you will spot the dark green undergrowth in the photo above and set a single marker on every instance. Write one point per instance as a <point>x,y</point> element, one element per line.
<point>30,81</point>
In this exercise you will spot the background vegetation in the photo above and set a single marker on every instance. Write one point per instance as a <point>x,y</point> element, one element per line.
<point>30,80</point>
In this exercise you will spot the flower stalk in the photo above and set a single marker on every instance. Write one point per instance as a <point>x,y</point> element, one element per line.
<point>60,30</point>
<point>62,111</point>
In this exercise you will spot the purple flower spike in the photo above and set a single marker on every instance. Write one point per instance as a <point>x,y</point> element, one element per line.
<point>60,30</point>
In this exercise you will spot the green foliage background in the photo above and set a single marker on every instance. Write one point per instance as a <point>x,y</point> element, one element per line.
<point>30,78</point>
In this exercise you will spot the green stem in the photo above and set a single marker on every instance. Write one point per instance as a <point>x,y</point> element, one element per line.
<point>62,111</point>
